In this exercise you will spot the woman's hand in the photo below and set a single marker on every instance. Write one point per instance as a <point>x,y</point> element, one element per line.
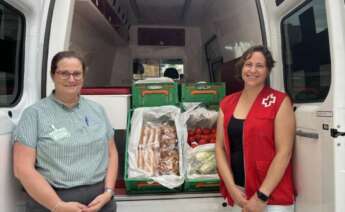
<point>238,196</point>
<point>254,205</point>
<point>98,202</point>
<point>70,207</point>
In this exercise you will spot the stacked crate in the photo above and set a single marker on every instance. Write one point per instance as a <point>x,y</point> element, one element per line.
<point>209,94</point>
<point>161,94</point>
<point>149,95</point>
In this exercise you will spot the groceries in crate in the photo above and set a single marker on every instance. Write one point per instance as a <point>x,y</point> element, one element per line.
<point>157,149</point>
<point>202,161</point>
<point>154,150</point>
<point>200,136</point>
<point>201,124</point>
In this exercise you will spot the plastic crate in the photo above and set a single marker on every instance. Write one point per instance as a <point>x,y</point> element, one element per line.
<point>210,93</point>
<point>197,185</point>
<point>201,184</point>
<point>141,185</point>
<point>154,94</point>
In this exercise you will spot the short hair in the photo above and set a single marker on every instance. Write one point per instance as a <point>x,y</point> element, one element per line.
<point>171,73</point>
<point>62,55</point>
<point>249,52</point>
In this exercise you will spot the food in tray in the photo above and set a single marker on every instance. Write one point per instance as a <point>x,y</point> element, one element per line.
<point>157,150</point>
<point>200,136</point>
<point>202,162</point>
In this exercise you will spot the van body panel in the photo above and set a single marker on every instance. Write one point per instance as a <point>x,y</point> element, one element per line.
<point>172,203</point>
<point>336,21</point>
<point>319,189</point>
<point>60,34</point>
<point>35,14</point>
<point>308,151</point>
<point>9,188</point>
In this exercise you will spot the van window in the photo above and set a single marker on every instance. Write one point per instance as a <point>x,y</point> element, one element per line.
<point>306,56</point>
<point>147,68</point>
<point>11,54</point>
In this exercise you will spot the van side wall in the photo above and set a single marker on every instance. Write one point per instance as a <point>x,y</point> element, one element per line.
<point>96,49</point>
<point>236,25</point>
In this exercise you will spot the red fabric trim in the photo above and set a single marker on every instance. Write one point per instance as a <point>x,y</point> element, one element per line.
<point>106,91</point>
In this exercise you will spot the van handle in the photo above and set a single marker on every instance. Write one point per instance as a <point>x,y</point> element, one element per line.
<point>206,185</point>
<point>164,92</point>
<point>307,134</point>
<point>196,92</point>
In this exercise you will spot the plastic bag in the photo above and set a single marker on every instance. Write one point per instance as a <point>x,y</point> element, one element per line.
<point>201,162</point>
<point>154,148</point>
<point>198,138</point>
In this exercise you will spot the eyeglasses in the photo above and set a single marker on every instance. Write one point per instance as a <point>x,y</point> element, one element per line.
<point>65,75</point>
<point>257,66</point>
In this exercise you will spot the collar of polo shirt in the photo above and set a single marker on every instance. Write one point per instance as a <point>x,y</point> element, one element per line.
<point>61,103</point>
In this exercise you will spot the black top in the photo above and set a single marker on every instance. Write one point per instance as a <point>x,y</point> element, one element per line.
<point>235,132</point>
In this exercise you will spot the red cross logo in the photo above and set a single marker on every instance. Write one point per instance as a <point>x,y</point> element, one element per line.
<point>269,100</point>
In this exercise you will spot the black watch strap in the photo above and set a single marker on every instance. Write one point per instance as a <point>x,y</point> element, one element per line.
<point>263,197</point>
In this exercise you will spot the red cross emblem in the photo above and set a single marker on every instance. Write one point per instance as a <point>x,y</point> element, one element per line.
<point>269,100</point>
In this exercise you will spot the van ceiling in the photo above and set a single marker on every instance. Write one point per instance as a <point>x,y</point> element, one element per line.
<point>169,12</point>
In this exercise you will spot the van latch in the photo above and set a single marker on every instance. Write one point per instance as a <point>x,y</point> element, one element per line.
<point>335,133</point>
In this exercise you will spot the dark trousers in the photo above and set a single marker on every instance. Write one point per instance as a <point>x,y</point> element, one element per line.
<point>81,194</point>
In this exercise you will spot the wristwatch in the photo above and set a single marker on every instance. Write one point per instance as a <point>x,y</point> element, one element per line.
<point>262,196</point>
<point>110,191</point>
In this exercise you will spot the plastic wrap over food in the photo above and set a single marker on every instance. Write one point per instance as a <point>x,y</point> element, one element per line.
<point>154,149</point>
<point>197,115</point>
<point>155,80</point>
<point>201,162</point>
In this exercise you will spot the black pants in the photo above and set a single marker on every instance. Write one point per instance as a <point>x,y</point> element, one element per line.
<point>82,194</point>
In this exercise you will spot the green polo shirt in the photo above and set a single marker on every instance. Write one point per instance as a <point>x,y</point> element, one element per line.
<point>71,143</point>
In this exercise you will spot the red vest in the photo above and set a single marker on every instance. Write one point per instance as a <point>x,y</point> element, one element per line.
<point>258,145</point>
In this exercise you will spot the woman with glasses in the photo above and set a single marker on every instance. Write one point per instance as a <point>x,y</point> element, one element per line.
<point>64,152</point>
<point>255,135</point>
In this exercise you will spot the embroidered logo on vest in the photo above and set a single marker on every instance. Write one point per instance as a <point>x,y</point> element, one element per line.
<point>269,100</point>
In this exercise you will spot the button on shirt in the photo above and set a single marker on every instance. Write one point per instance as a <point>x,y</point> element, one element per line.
<point>71,143</point>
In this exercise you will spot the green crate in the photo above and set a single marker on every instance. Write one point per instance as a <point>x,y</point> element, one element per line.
<point>141,185</point>
<point>154,94</point>
<point>197,185</point>
<point>211,92</point>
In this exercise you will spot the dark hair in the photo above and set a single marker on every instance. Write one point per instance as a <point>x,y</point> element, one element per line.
<point>171,73</point>
<point>249,52</point>
<point>62,55</point>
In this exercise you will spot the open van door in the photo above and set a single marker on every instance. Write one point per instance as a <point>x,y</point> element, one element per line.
<point>22,41</point>
<point>336,17</point>
<point>12,27</point>
<point>307,39</point>
<point>7,192</point>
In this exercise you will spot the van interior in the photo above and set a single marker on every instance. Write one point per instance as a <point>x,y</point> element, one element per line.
<point>185,40</point>
<point>123,41</point>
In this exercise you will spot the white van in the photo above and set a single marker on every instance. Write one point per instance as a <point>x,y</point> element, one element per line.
<point>202,37</point>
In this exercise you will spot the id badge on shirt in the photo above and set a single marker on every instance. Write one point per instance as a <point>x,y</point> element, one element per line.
<point>58,134</point>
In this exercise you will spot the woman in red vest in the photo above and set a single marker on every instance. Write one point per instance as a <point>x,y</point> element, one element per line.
<point>255,136</point>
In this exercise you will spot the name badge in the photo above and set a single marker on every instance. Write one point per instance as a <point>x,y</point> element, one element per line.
<point>58,134</point>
